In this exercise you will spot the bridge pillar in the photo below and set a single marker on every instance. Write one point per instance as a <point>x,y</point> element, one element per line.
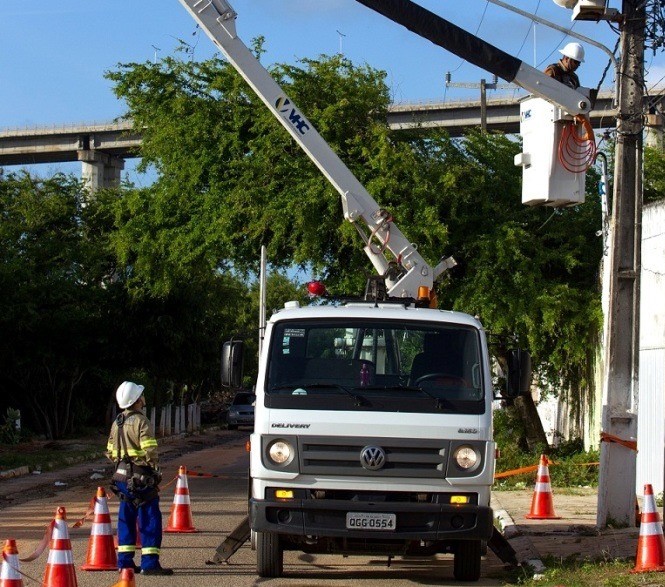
<point>100,170</point>
<point>654,131</point>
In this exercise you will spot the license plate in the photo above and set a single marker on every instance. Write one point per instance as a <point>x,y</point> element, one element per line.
<point>367,521</point>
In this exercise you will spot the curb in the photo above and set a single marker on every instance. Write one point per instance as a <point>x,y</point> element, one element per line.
<point>525,551</point>
<point>18,472</point>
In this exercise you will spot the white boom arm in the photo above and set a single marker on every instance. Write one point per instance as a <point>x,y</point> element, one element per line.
<point>217,19</point>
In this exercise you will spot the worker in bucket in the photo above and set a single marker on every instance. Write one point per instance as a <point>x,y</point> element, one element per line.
<point>564,70</point>
<point>135,481</point>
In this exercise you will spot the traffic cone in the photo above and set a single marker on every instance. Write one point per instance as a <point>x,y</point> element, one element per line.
<point>101,549</point>
<point>60,571</point>
<point>180,519</point>
<point>10,575</point>
<point>126,578</point>
<point>650,544</point>
<point>542,506</point>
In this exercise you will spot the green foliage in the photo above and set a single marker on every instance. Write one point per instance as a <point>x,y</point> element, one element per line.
<point>147,283</point>
<point>527,272</point>
<point>50,296</point>
<point>232,179</point>
<point>10,431</point>
<point>73,327</point>
<point>570,465</point>
<point>654,174</point>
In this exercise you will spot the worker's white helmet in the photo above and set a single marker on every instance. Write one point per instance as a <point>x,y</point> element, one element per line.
<point>128,393</point>
<point>574,51</point>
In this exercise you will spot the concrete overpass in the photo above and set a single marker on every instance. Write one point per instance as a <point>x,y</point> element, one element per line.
<point>103,148</point>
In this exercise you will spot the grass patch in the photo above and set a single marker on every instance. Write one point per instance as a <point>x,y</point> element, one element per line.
<point>570,465</point>
<point>571,573</point>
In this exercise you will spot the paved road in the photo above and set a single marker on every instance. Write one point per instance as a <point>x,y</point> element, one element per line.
<point>218,505</point>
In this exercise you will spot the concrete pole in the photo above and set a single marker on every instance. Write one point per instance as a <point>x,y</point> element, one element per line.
<point>262,296</point>
<point>483,106</point>
<point>616,487</point>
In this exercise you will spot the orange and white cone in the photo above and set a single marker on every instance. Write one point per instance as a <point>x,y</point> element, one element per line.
<point>542,505</point>
<point>101,548</point>
<point>10,575</point>
<point>180,519</point>
<point>126,578</point>
<point>60,571</point>
<point>651,544</point>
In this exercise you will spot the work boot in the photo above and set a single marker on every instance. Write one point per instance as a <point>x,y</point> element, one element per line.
<point>157,571</point>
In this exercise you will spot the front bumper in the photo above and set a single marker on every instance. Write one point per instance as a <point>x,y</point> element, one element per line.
<point>415,521</point>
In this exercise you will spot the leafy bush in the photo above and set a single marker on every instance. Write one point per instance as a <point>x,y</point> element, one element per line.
<point>570,465</point>
<point>10,431</point>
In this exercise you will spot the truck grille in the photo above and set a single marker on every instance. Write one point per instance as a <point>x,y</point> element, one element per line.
<point>403,457</point>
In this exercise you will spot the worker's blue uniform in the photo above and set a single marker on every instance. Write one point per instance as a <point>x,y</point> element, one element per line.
<point>149,519</point>
<point>134,450</point>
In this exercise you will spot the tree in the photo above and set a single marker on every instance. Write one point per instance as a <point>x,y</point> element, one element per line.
<point>232,180</point>
<point>654,174</point>
<point>51,299</point>
<point>527,272</point>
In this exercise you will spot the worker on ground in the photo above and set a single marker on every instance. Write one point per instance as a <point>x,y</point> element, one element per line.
<point>564,70</point>
<point>135,481</point>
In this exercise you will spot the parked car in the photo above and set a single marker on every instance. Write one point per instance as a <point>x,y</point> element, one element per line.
<point>241,410</point>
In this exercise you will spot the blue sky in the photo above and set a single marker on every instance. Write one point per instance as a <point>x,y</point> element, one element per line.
<point>53,55</point>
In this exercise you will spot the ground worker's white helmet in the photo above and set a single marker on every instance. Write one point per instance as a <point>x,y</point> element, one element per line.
<point>574,51</point>
<point>128,393</point>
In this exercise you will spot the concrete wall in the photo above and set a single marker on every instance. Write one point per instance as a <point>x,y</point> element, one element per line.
<point>651,408</point>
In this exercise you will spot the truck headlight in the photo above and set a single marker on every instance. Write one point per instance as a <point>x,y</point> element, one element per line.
<point>465,457</point>
<point>281,452</point>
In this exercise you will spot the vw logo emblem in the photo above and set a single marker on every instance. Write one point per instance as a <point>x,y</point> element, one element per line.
<point>372,458</point>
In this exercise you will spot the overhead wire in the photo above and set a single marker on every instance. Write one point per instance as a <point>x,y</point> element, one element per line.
<point>529,29</point>
<point>482,18</point>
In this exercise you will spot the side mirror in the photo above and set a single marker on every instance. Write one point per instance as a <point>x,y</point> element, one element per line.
<point>518,381</point>
<point>232,363</point>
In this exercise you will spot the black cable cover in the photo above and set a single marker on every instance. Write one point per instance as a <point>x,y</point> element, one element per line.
<point>447,35</point>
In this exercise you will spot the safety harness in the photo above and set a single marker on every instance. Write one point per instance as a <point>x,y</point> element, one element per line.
<point>142,482</point>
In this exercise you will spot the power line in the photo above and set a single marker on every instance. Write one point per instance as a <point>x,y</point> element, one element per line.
<point>482,18</point>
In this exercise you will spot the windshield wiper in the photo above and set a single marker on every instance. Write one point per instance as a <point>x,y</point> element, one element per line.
<point>438,401</point>
<point>359,399</point>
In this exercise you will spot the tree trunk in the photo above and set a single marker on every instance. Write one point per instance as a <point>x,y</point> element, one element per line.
<point>535,433</point>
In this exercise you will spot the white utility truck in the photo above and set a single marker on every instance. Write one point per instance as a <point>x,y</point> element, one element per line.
<point>373,419</point>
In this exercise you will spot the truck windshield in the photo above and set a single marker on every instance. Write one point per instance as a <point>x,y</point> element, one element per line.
<point>375,365</point>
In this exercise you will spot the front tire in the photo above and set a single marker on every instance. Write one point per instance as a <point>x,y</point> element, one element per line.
<point>467,560</point>
<point>269,555</point>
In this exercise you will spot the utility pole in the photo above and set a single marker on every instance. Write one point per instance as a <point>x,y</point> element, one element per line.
<point>484,86</point>
<point>616,487</point>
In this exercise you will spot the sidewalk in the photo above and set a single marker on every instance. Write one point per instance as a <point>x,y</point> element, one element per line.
<point>573,535</point>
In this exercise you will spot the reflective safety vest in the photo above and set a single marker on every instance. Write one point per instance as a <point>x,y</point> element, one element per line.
<point>137,443</point>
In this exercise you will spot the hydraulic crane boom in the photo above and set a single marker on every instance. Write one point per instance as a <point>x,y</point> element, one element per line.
<point>406,271</point>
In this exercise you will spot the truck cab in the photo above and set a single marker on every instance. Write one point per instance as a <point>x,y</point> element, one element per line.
<point>373,435</point>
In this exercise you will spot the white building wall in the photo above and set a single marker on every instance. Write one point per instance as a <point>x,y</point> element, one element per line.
<point>651,408</point>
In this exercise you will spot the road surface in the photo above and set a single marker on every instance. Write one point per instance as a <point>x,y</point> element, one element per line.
<point>218,504</point>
